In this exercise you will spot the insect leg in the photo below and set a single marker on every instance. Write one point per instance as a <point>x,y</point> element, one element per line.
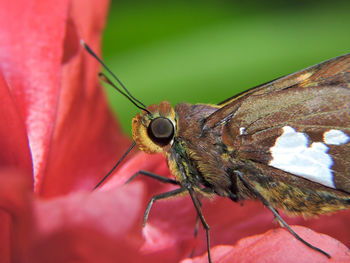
<point>197,205</point>
<point>158,197</point>
<point>276,214</point>
<point>160,178</point>
<point>195,233</point>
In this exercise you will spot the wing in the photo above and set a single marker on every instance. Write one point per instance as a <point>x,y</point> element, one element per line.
<point>299,124</point>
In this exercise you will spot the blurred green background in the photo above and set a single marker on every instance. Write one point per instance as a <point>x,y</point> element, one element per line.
<point>206,51</point>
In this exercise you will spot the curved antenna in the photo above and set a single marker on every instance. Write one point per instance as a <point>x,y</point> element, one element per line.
<point>92,53</point>
<point>115,166</point>
<point>104,78</point>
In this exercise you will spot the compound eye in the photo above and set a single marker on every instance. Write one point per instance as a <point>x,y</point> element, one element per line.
<point>161,131</point>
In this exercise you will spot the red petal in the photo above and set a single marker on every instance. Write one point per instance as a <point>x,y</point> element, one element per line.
<point>31,36</point>
<point>14,153</point>
<point>335,225</point>
<point>163,241</point>
<point>279,246</point>
<point>141,161</point>
<point>111,212</point>
<point>86,141</point>
<point>13,139</point>
<point>73,136</point>
<point>89,227</point>
<point>16,216</point>
<point>99,226</point>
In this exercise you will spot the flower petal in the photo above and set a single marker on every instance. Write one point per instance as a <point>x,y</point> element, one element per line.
<point>31,35</point>
<point>335,225</point>
<point>279,246</point>
<point>13,138</point>
<point>14,154</point>
<point>93,227</point>
<point>15,214</point>
<point>73,136</point>
<point>87,140</point>
<point>88,227</point>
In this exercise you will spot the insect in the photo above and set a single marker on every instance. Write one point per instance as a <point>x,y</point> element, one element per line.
<point>285,143</point>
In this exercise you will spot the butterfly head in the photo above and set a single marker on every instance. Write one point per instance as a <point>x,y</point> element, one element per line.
<point>154,131</point>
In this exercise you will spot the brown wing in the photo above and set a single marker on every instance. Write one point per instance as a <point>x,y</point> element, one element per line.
<point>299,124</point>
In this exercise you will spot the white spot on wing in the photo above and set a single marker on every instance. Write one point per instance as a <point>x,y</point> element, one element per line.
<point>241,130</point>
<point>335,137</point>
<point>291,153</point>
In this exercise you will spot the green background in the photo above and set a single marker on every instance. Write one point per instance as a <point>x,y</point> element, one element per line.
<point>207,51</point>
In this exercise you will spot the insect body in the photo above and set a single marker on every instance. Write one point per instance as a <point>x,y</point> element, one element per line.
<point>286,143</point>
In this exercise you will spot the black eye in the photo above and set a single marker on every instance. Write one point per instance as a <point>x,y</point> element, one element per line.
<point>161,131</point>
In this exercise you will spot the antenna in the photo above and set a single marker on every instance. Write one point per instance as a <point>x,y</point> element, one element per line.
<point>128,95</point>
<point>104,78</point>
<point>115,166</point>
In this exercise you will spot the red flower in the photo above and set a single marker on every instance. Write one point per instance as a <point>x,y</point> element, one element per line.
<point>58,138</point>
